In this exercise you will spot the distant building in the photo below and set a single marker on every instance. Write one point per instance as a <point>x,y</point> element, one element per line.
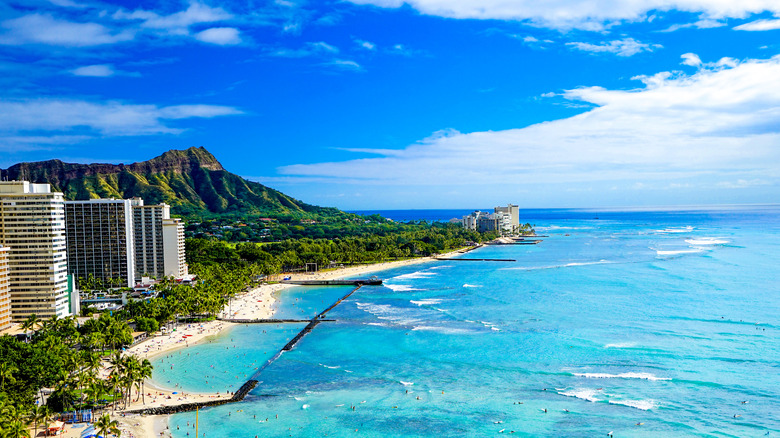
<point>101,240</point>
<point>159,241</point>
<point>504,220</point>
<point>32,224</point>
<point>513,211</point>
<point>5,290</point>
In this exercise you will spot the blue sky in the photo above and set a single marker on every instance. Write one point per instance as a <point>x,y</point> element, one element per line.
<point>379,104</point>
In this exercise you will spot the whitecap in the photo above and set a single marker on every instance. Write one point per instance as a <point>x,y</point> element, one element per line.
<point>707,241</point>
<point>331,367</point>
<point>426,302</point>
<point>681,251</point>
<point>583,394</point>
<point>471,285</point>
<point>567,265</point>
<point>415,275</point>
<point>644,376</point>
<point>621,345</point>
<point>444,330</point>
<point>644,405</point>
<point>400,287</point>
<point>406,383</point>
<point>305,407</point>
<point>676,230</point>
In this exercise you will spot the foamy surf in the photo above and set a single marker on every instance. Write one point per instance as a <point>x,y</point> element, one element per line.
<point>400,287</point>
<point>644,376</point>
<point>621,345</point>
<point>567,265</point>
<point>471,285</point>
<point>676,230</point>
<point>678,252</point>
<point>426,302</point>
<point>415,275</point>
<point>707,241</point>
<point>644,405</point>
<point>406,383</point>
<point>582,394</point>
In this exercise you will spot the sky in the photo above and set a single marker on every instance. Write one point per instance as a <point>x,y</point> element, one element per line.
<point>392,104</point>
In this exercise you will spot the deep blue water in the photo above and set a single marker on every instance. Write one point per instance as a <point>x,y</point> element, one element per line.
<point>643,323</point>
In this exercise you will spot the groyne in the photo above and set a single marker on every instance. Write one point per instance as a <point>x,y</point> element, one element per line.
<point>460,259</point>
<point>359,281</point>
<point>264,321</point>
<point>252,382</point>
<point>187,407</point>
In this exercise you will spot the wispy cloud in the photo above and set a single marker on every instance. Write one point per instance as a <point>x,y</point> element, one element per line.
<point>691,59</point>
<point>367,45</point>
<point>595,15</point>
<point>98,71</point>
<point>715,124</point>
<point>221,36</point>
<point>760,25</point>
<point>48,30</point>
<point>177,23</point>
<point>71,116</point>
<point>318,48</point>
<point>345,64</point>
<point>624,47</point>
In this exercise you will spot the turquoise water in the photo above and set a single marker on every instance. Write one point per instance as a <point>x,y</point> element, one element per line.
<point>635,323</point>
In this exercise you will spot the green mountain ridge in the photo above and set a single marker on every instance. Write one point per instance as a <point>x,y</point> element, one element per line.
<point>191,181</point>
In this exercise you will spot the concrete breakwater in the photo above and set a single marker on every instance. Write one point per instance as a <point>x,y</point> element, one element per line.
<point>187,407</point>
<point>252,382</point>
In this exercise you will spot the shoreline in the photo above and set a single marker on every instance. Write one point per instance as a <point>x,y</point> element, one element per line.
<point>246,307</point>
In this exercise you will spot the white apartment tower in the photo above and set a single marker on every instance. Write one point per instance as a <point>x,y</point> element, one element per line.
<point>175,263</point>
<point>32,225</point>
<point>101,241</point>
<point>159,242</point>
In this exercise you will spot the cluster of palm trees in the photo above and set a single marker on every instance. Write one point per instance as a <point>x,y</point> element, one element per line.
<point>90,282</point>
<point>15,422</point>
<point>68,360</point>
<point>127,372</point>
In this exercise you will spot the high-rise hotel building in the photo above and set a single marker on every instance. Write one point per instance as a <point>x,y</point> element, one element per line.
<point>5,290</point>
<point>159,241</point>
<point>101,241</point>
<point>32,225</point>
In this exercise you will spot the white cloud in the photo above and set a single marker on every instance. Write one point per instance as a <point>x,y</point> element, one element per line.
<point>177,23</point>
<point>222,36</point>
<point>760,25</point>
<point>368,45</point>
<point>45,29</point>
<point>698,129</point>
<point>98,70</point>
<point>691,59</point>
<point>624,47</point>
<point>345,64</point>
<point>318,48</point>
<point>107,118</point>
<point>576,14</point>
<point>701,24</point>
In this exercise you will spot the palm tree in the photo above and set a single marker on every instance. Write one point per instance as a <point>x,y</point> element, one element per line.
<point>105,425</point>
<point>40,415</point>
<point>144,372</point>
<point>16,429</point>
<point>114,384</point>
<point>30,323</point>
<point>7,371</point>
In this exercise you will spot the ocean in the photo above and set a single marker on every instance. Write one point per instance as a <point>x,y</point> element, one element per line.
<point>634,323</point>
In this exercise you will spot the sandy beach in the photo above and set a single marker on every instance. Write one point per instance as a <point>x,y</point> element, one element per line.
<point>257,303</point>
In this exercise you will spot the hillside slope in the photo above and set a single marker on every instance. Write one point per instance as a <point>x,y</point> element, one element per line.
<point>192,181</point>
